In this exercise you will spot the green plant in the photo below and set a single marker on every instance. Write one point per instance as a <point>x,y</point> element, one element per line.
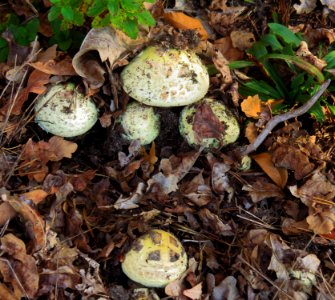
<point>278,46</point>
<point>23,33</point>
<point>125,15</point>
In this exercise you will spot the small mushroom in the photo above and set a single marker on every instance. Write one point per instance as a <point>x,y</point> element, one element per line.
<point>155,259</point>
<point>209,124</point>
<point>140,122</point>
<point>65,112</point>
<point>165,77</point>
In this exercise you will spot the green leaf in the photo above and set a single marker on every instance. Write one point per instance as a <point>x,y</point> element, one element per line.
<point>261,87</point>
<point>271,40</point>
<point>145,18</point>
<point>54,13</point>
<point>280,86</point>
<point>239,64</point>
<point>67,13</point>
<point>331,108</point>
<point>330,59</point>
<point>106,20</point>
<point>130,5</point>
<point>97,8</point>
<point>301,63</point>
<point>32,28</point>
<point>78,18</point>
<point>113,6</point>
<point>130,27</point>
<point>286,34</point>
<point>317,112</point>
<point>258,50</point>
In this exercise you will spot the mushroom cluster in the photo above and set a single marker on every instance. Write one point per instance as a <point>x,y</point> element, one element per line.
<point>160,77</point>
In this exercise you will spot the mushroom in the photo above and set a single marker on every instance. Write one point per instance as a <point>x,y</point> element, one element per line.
<point>209,124</point>
<point>140,122</point>
<point>155,259</point>
<point>65,112</point>
<point>165,77</point>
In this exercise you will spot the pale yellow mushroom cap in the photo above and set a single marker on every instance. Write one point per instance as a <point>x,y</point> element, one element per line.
<point>165,77</point>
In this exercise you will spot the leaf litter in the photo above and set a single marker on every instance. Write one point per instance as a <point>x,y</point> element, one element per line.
<point>70,209</point>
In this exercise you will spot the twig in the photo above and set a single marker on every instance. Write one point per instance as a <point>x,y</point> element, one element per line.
<point>284,117</point>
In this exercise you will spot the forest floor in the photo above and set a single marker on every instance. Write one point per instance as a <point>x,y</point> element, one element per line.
<point>255,222</point>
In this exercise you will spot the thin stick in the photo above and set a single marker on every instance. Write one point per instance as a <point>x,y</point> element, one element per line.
<point>284,117</point>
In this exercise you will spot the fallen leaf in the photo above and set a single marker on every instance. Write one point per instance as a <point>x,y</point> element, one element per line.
<point>226,289</point>
<point>304,52</point>
<point>305,6</point>
<point>242,40</point>
<point>194,292</point>
<point>36,196</point>
<point>278,175</point>
<point>36,84</point>
<point>292,158</point>
<point>261,189</point>
<point>252,106</point>
<point>7,212</point>
<point>35,156</point>
<point>34,223</point>
<point>212,222</point>
<point>206,124</point>
<point>222,65</point>
<point>53,67</point>
<point>225,46</point>
<point>21,264</point>
<point>251,132</point>
<point>329,3</point>
<point>220,180</point>
<point>181,21</point>
<point>168,180</point>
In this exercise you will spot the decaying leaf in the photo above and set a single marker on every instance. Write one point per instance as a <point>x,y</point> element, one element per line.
<point>18,268</point>
<point>35,156</point>
<point>251,132</point>
<point>221,63</point>
<point>305,6</point>
<point>194,292</point>
<point>220,180</point>
<point>225,47</point>
<point>206,124</point>
<point>36,84</point>
<point>169,178</point>
<point>304,52</point>
<point>278,175</point>
<point>213,223</point>
<point>261,189</point>
<point>35,225</point>
<point>181,21</point>
<point>292,158</point>
<point>226,289</point>
<point>52,67</point>
<point>109,44</point>
<point>242,40</point>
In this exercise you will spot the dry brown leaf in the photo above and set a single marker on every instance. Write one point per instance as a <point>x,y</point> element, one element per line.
<point>7,212</point>
<point>252,106</point>
<point>36,196</point>
<point>225,46</point>
<point>53,67</point>
<point>278,175</point>
<point>212,222</point>
<point>195,292</point>
<point>226,289</point>
<point>321,221</point>
<point>36,84</point>
<point>305,6</point>
<point>304,52</point>
<point>80,181</point>
<point>261,189</point>
<point>206,124</point>
<point>292,158</point>
<point>35,225</point>
<point>35,156</point>
<point>222,64</point>
<point>23,265</point>
<point>169,178</point>
<point>242,40</point>
<point>181,21</point>
<point>251,132</point>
